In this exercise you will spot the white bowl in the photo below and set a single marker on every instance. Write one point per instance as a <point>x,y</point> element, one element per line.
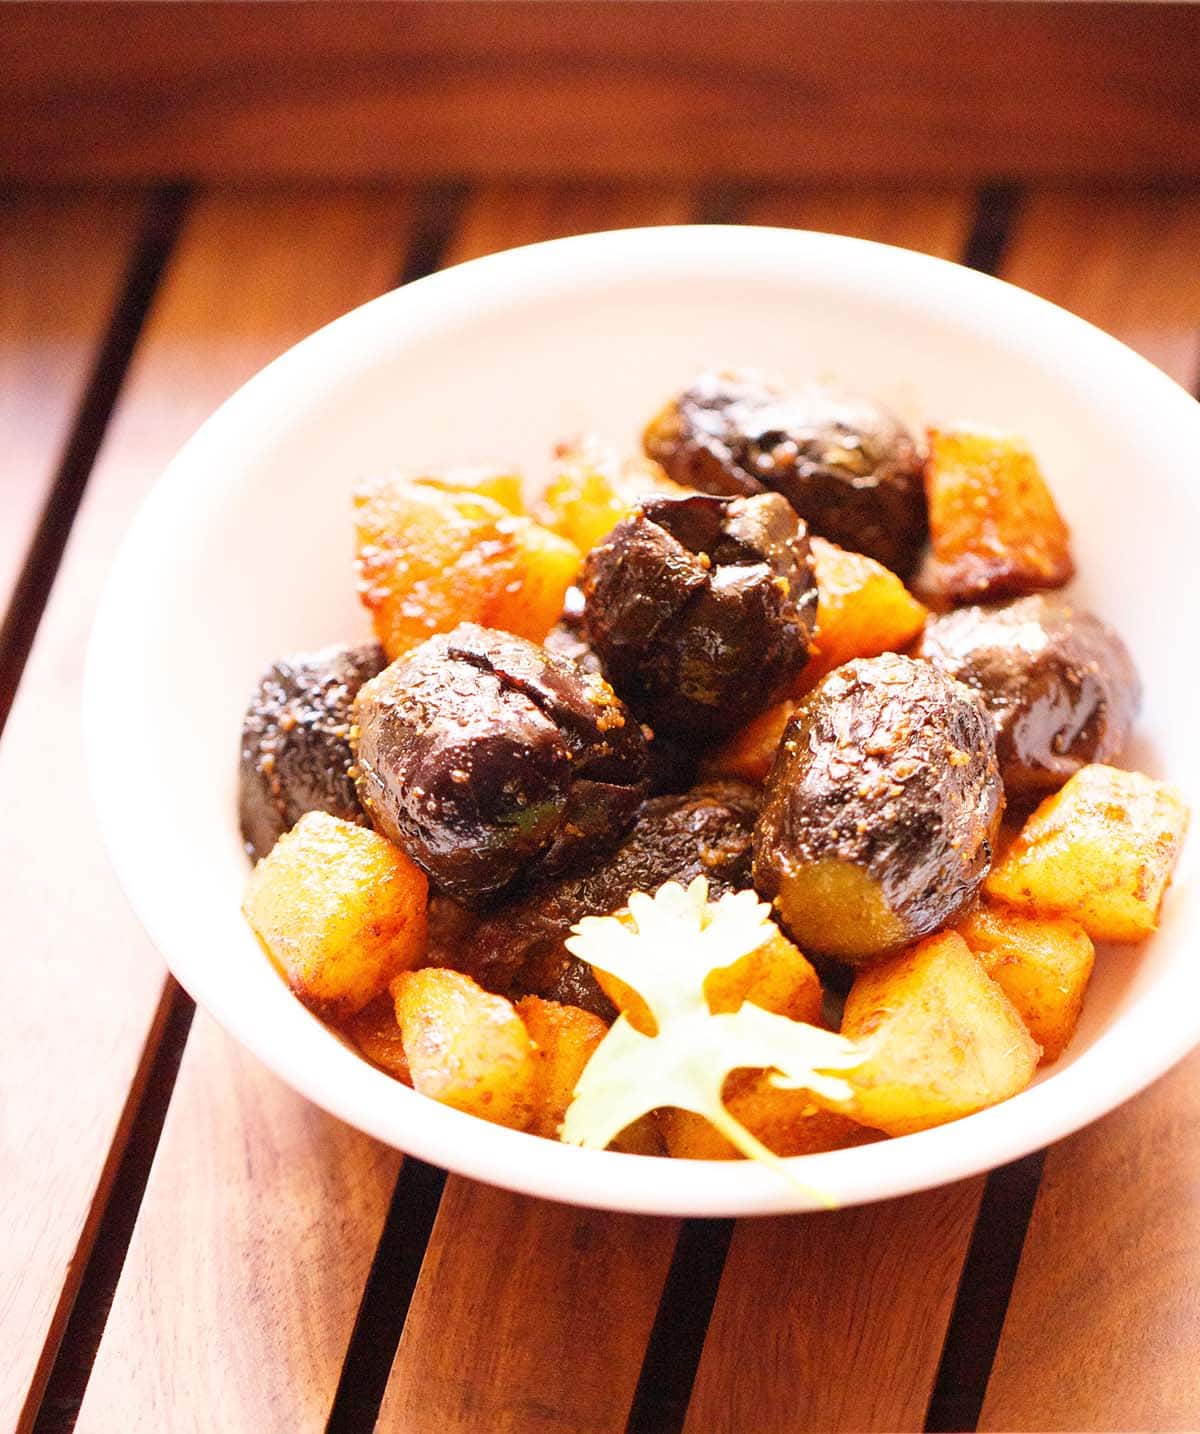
<point>242,554</point>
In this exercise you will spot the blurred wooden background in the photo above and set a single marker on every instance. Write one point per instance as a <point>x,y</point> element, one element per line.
<point>730,91</point>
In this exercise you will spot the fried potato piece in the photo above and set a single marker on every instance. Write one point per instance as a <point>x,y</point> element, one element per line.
<point>941,1039</point>
<point>429,559</point>
<point>564,1038</point>
<point>775,976</point>
<point>863,609</point>
<point>1042,965</point>
<point>465,1047</point>
<point>498,484</point>
<point>748,754</point>
<point>786,1121</point>
<point>340,910</point>
<point>993,524</point>
<point>591,490</point>
<point>1099,851</point>
<point>377,1035</point>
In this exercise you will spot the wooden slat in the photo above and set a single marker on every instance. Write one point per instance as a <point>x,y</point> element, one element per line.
<point>754,90</point>
<point>528,1315</point>
<point>251,277</point>
<point>1104,1319</point>
<point>62,257</point>
<point>832,1322</point>
<point>249,1259</point>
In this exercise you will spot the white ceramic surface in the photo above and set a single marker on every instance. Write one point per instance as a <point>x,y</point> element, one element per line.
<point>243,551</point>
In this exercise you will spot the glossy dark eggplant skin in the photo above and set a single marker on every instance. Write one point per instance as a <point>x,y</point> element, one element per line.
<point>672,763</point>
<point>1059,683</point>
<point>849,467</point>
<point>701,610</point>
<point>881,811</point>
<point>296,754</point>
<point>493,762</point>
<point>518,949</point>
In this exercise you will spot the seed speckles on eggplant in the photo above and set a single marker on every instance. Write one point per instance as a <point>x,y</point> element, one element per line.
<point>881,811</point>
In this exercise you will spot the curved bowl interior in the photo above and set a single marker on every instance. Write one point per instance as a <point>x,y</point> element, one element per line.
<point>243,553</point>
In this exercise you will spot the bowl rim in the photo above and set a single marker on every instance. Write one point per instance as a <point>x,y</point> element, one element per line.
<point>366,1098</point>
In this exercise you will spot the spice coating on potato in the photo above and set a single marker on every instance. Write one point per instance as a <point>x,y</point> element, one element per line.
<point>881,810</point>
<point>941,1038</point>
<point>701,610</point>
<point>847,466</point>
<point>465,1047</point>
<point>564,1038</point>
<point>1059,684</point>
<point>296,754</point>
<point>1100,851</point>
<point>1041,964</point>
<point>519,948</point>
<point>591,490</point>
<point>429,558</point>
<point>993,524</point>
<point>491,761</point>
<point>340,910</point>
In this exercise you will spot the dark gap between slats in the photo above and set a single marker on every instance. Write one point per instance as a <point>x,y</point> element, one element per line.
<point>987,1279</point>
<point>722,203</point>
<point>160,228</point>
<point>996,209</point>
<point>386,1298</point>
<point>102,1265</point>
<point>437,210</point>
<point>990,1268</point>
<point>664,1386</point>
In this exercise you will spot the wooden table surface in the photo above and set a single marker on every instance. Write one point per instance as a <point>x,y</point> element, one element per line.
<point>186,1244</point>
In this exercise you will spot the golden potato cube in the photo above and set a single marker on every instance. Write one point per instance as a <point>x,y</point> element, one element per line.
<point>429,559</point>
<point>774,976</point>
<point>863,609</point>
<point>340,910</point>
<point>466,1047</point>
<point>376,1033</point>
<point>993,525</point>
<point>1099,851</point>
<point>590,491</point>
<point>941,1039</point>
<point>748,754</point>
<point>564,1038</point>
<point>786,1121</point>
<point>1042,965</point>
<point>501,485</point>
